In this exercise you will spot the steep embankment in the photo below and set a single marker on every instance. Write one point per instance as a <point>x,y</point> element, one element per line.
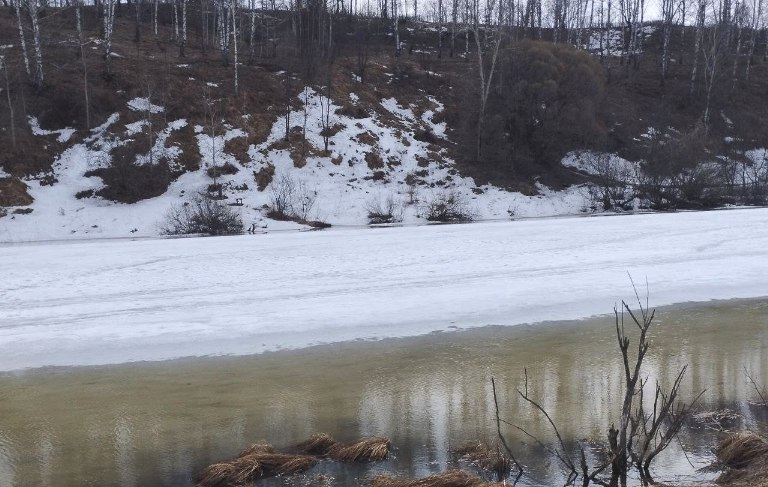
<point>382,157</point>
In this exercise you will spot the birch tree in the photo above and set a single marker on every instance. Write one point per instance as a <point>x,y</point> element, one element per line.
<point>485,48</point>
<point>712,59</point>
<point>22,39</point>
<point>33,8</point>
<point>668,9</point>
<point>183,43</point>
<point>4,69</point>
<point>700,19</point>
<point>439,29</point>
<point>109,22</point>
<point>233,10</point>
<point>80,42</point>
<point>757,13</point>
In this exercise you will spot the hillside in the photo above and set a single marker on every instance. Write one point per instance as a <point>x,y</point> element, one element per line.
<point>354,135</point>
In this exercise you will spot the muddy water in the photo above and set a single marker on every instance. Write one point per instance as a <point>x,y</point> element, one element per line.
<point>156,424</point>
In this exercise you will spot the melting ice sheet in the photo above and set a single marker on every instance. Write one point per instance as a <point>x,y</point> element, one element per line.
<point>104,302</point>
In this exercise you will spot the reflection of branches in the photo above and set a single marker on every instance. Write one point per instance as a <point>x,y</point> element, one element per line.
<point>641,436</point>
<point>562,455</point>
<point>655,438</point>
<point>760,391</point>
<point>501,436</point>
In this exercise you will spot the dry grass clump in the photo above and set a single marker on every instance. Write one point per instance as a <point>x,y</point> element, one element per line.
<point>256,448</point>
<point>745,455</point>
<point>363,450</point>
<point>451,478</point>
<point>317,444</point>
<point>374,160</point>
<point>264,176</point>
<point>256,462</point>
<point>238,147</point>
<point>13,192</point>
<point>273,464</point>
<point>740,450</point>
<point>219,475</point>
<point>486,458</point>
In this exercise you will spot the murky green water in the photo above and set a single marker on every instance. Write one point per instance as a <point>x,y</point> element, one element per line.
<point>156,424</point>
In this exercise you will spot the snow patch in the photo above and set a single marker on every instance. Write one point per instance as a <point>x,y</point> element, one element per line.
<point>144,105</point>
<point>63,134</point>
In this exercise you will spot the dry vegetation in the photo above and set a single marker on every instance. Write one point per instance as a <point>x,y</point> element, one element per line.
<point>489,459</point>
<point>452,478</point>
<point>363,450</point>
<point>262,461</point>
<point>745,459</point>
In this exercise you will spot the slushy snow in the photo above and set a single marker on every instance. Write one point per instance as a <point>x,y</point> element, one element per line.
<point>100,302</point>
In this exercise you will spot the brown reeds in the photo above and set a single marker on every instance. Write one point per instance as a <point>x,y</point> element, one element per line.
<point>486,458</point>
<point>363,450</point>
<point>317,444</point>
<point>740,450</point>
<point>256,448</point>
<point>283,463</point>
<point>745,456</point>
<point>256,462</point>
<point>451,478</point>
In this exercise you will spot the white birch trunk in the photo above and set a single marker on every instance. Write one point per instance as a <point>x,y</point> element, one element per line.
<point>233,8</point>
<point>85,67</point>
<point>34,14</point>
<point>757,11</point>
<point>4,69</point>
<point>109,22</point>
<point>22,39</point>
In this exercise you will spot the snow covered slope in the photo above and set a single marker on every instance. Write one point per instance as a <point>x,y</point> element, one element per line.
<point>372,156</point>
<point>116,301</point>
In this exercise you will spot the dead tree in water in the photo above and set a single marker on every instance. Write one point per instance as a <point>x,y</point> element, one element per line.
<point>644,431</point>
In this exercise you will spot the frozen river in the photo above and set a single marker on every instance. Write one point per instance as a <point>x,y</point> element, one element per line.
<point>107,302</point>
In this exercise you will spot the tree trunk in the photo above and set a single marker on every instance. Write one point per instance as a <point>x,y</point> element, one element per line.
<point>34,14</point>
<point>233,8</point>
<point>109,20</point>
<point>85,68</point>
<point>4,68</point>
<point>22,40</point>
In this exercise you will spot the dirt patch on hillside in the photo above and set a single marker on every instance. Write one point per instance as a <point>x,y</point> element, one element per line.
<point>13,192</point>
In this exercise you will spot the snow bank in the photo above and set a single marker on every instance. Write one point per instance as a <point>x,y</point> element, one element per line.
<point>119,301</point>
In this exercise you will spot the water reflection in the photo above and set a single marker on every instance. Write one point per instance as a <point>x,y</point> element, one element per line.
<point>156,424</point>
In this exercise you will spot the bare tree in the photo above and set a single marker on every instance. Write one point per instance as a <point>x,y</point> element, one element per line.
<point>714,51</point>
<point>109,22</point>
<point>700,19</point>
<point>757,15</point>
<point>33,8</point>
<point>22,39</point>
<point>233,11</point>
<point>148,116</point>
<point>485,73</point>
<point>4,69</point>
<point>183,43</point>
<point>668,10</point>
<point>80,43</point>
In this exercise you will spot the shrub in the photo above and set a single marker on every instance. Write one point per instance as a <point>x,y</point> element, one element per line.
<point>126,182</point>
<point>291,199</point>
<point>387,210</point>
<point>448,206</point>
<point>202,216</point>
<point>225,169</point>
